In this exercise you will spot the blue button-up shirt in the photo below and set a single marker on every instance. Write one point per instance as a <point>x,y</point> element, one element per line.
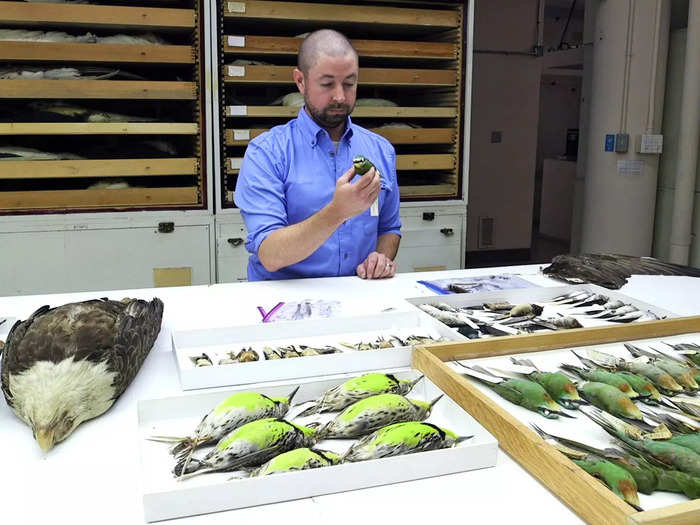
<point>289,173</point>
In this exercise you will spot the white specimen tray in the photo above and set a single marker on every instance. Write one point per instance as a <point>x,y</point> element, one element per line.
<point>313,332</point>
<point>164,497</point>
<point>539,295</point>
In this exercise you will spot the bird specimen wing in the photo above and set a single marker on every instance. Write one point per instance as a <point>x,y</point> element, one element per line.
<point>611,271</point>
<point>137,328</point>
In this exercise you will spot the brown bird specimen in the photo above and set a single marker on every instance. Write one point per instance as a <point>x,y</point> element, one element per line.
<point>66,365</point>
<point>611,271</point>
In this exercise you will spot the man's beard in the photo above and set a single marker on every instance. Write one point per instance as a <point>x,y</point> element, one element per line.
<point>325,119</point>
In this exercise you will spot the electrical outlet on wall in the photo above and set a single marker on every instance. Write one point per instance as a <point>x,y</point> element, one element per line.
<point>622,141</point>
<point>650,143</point>
<point>496,136</point>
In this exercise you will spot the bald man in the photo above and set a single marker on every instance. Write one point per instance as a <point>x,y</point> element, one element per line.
<point>306,211</point>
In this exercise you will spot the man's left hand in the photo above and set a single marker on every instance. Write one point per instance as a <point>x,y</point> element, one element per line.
<point>376,266</point>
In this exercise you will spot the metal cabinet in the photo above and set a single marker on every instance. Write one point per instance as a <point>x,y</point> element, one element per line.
<point>433,238</point>
<point>231,255</point>
<point>66,254</point>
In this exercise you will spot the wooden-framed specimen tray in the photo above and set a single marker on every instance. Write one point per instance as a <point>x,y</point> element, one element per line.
<point>165,497</point>
<point>524,310</point>
<point>587,496</point>
<point>209,357</point>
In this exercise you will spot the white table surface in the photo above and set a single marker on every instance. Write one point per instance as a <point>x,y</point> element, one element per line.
<point>93,477</point>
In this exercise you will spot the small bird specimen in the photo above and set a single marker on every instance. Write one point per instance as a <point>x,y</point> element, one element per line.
<point>233,412</point>
<point>341,396</point>
<point>610,271</point>
<point>295,460</point>
<point>523,392</point>
<point>557,385</point>
<point>373,413</point>
<point>402,438</point>
<point>649,475</point>
<point>674,456</point>
<point>249,445</point>
<point>66,365</point>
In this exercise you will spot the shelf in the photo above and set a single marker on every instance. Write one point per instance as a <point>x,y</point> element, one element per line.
<point>363,14</point>
<point>94,17</point>
<point>69,169</point>
<point>97,89</point>
<point>403,162</point>
<point>279,45</point>
<point>241,137</point>
<point>359,112</point>
<point>98,128</point>
<point>432,190</point>
<point>102,53</point>
<point>425,162</point>
<point>126,197</point>
<point>414,48</point>
<point>369,76</point>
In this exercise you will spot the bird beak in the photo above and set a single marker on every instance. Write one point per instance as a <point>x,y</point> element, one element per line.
<point>45,438</point>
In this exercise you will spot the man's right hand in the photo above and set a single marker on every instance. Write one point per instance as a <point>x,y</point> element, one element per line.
<point>352,198</point>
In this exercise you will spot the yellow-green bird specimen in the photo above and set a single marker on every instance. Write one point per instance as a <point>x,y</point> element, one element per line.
<point>66,365</point>
<point>402,438</point>
<point>234,411</point>
<point>373,413</point>
<point>341,396</point>
<point>297,459</point>
<point>250,445</point>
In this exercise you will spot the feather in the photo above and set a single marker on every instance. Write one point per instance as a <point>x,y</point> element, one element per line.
<point>611,271</point>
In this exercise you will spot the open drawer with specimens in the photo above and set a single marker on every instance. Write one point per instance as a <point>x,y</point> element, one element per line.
<point>336,434</point>
<point>292,349</point>
<point>529,310</point>
<point>102,105</point>
<point>411,84</point>
<point>608,418</point>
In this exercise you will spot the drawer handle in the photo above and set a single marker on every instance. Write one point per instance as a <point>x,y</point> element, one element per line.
<point>235,242</point>
<point>447,232</point>
<point>166,227</point>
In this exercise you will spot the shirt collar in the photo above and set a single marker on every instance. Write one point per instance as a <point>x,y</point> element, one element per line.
<point>312,130</point>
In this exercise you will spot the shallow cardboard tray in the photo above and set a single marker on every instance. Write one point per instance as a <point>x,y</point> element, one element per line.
<point>6,326</point>
<point>166,498</point>
<point>591,500</point>
<point>193,342</point>
<point>539,294</point>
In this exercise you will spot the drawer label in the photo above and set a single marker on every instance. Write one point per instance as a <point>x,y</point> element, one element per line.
<point>236,41</point>
<point>236,71</point>
<point>237,111</point>
<point>241,134</point>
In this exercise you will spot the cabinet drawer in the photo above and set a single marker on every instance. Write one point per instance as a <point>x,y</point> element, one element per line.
<point>103,259</point>
<point>231,255</point>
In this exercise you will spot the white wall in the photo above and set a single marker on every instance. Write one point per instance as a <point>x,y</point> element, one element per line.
<point>669,158</point>
<point>505,97</point>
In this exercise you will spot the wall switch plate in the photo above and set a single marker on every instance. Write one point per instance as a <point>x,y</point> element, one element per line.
<point>653,144</point>
<point>622,142</point>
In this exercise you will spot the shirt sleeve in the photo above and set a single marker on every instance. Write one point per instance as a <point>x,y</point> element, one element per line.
<point>260,195</point>
<point>389,218</point>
